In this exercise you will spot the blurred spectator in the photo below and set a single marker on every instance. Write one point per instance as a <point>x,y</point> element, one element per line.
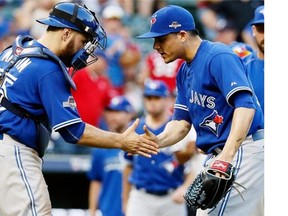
<point>240,12</point>
<point>207,17</point>
<point>98,5</point>
<point>118,42</point>
<point>154,68</point>
<point>142,8</point>
<point>26,15</point>
<point>226,32</point>
<point>105,174</point>
<point>137,18</point>
<point>94,90</point>
<point>7,33</point>
<point>42,9</point>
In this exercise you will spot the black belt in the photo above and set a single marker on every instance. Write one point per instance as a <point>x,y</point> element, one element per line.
<point>156,193</point>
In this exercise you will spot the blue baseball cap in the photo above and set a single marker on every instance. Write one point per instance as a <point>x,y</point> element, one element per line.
<point>258,16</point>
<point>156,88</point>
<point>120,103</point>
<point>169,19</point>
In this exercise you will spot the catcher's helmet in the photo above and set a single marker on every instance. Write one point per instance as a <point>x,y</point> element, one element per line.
<point>76,17</point>
<point>81,19</point>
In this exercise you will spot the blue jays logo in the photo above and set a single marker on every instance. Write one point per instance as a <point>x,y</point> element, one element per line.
<point>153,20</point>
<point>212,122</point>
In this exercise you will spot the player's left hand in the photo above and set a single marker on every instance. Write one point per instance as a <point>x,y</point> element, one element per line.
<point>149,135</point>
<point>210,185</point>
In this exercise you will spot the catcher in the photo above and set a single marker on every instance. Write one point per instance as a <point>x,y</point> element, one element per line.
<point>215,95</point>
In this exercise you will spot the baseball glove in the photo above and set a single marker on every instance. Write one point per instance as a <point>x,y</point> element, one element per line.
<point>208,189</point>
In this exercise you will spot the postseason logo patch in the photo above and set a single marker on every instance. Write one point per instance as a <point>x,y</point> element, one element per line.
<point>70,103</point>
<point>175,25</point>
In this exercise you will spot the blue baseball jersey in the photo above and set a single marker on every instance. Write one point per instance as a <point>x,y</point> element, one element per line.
<point>107,169</point>
<point>205,89</point>
<point>39,86</point>
<point>160,172</point>
<point>255,71</point>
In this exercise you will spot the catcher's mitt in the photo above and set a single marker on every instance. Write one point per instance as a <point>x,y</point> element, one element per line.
<point>208,189</point>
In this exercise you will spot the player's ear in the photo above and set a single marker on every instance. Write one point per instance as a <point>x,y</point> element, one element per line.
<point>253,30</point>
<point>182,35</point>
<point>66,33</point>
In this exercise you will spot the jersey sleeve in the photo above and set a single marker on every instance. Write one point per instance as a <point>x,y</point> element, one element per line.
<point>229,73</point>
<point>57,100</point>
<point>180,107</point>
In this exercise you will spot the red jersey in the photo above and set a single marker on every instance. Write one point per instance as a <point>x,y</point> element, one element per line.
<point>91,96</point>
<point>159,70</point>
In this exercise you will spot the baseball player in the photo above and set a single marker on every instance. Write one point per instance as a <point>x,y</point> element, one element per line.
<point>215,95</point>
<point>255,61</point>
<point>105,174</point>
<point>150,184</point>
<point>36,97</point>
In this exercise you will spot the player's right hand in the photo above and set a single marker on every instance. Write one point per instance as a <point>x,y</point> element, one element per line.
<point>133,143</point>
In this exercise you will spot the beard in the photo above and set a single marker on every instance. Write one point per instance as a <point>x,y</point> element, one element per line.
<point>260,45</point>
<point>66,56</point>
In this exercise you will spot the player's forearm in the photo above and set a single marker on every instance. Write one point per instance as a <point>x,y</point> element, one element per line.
<point>173,133</point>
<point>241,123</point>
<point>95,137</point>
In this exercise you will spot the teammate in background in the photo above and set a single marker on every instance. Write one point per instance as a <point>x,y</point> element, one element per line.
<point>226,32</point>
<point>37,97</point>
<point>255,61</point>
<point>155,180</point>
<point>105,174</point>
<point>215,95</point>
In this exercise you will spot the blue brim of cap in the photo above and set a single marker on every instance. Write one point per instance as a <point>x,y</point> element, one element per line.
<point>154,94</point>
<point>116,109</point>
<point>258,22</point>
<point>151,35</point>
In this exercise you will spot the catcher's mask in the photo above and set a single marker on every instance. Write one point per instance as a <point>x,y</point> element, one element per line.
<point>81,19</point>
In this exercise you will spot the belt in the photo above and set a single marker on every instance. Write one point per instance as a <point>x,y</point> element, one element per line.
<point>258,135</point>
<point>156,193</point>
